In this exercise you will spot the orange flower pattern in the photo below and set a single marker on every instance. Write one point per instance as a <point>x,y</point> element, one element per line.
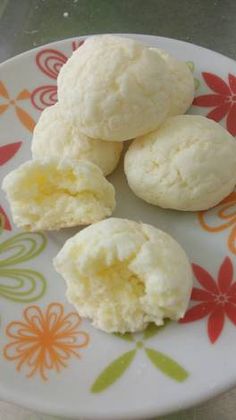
<point>220,218</point>
<point>6,102</point>
<point>44,341</point>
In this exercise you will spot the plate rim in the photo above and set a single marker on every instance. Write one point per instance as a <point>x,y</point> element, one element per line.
<point>133,34</point>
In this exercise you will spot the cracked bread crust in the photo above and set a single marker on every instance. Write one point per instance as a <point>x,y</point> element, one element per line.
<point>114,88</point>
<point>188,164</point>
<point>61,140</point>
<point>181,81</point>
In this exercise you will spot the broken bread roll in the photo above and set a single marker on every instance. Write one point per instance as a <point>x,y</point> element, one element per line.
<point>123,275</point>
<point>46,195</point>
<point>114,88</point>
<point>58,139</point>
<point>188,164</point>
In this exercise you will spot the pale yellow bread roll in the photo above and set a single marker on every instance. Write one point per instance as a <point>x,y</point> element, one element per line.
<point>123,275</point>
<point>188,164</point>
<point>57,139</point>
<point>114,88</point>
<point>45,195</point>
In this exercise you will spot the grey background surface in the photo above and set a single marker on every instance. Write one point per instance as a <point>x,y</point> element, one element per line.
<point>25,24</point>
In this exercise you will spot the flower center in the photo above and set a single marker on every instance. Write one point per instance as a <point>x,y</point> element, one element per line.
<point>231,99</point>
<point>221,299</point>
<point>46,339</point>
<point>139,344</point>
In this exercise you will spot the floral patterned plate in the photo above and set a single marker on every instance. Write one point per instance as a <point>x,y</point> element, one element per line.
<point>53,361</point>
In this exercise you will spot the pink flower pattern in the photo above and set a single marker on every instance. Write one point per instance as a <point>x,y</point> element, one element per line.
<point>218,299</point>
<point>222,100</point>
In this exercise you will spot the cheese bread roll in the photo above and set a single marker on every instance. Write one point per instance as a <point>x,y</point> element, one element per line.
<point>114,88</point>
<point>45,195</point>
<point>188,164</point>
<point>56,138</point>
<point>123,275</point>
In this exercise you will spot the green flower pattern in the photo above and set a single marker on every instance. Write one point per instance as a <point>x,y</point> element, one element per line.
<point>161,361</point>
<point>21,284</point>
<point>191,67</point>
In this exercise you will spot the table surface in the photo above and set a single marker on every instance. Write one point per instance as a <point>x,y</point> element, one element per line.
<point>25,24</point>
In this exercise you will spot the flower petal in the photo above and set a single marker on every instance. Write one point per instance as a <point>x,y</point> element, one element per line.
<point>68,324</point>
<point>230,310</point>
<point>24,94</point>
<point>152,329</point>
<point>21,285</point>
<point>54,315</point>
<point>225,275</point>
<point>232,240</point>
<point>3,91</point>
<point>12,329</point>
<point>44,96</point>
<point>232,299</point>
<point>215,83</point>
<point>167,365</point>
<point>232,290</point>
<point>219,112</point>
<point>190,65</point>
<point>29,244</point>
<point>6,222</point>
<point>197,312</point>
<point>215,324</point>
<point>204,278</point>
<point>113,371</point>
<point>231,120</point>
<point>230,198</point>
<point>201,295</point>
<point>50,61</point>
<point>196,83</point>
<point>209,100</point>
<point>3,108</point>
<point>8,151</point>
<point>76,44</point>
<point>34,318</point>
<point>232,82</point>
<point>25,118</point>
<point>126,336</point>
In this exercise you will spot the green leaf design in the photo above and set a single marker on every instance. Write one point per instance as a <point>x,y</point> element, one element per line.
<point>152,329</point>
<point>1,223</point>
<point>167,365</point>
<point>126,336</point>
<point>196,83</point>
<point>21,247</point>
<point>21,285</point>
<point>190,65</point>
<point>113,372</point>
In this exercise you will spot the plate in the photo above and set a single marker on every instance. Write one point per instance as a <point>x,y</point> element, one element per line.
<point>53,361</point>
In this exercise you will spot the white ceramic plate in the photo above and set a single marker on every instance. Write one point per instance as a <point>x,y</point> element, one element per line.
<point>52,361</point>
